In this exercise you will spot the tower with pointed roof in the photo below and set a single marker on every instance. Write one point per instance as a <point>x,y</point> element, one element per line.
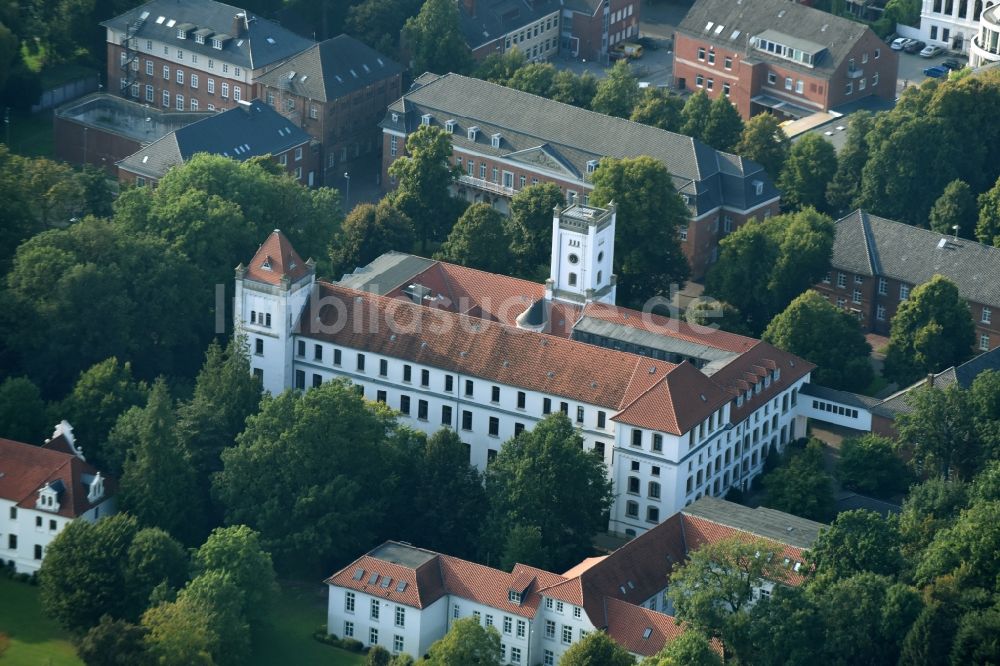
<point>270,294</point>
<point>583,253</point>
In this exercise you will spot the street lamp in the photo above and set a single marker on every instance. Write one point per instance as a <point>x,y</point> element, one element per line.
<point>347,196</point>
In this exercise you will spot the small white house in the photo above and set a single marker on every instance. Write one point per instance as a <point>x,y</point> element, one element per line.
<point>42,489</point>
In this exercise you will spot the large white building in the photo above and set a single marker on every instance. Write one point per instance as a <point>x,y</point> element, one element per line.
<point>404,598</point>
<point>676,412</point>
<point>43,489</point>
<point>951,24</point>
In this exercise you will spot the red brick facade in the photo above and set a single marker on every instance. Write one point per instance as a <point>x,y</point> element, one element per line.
<point>589,39</point>
<point>78,144</point>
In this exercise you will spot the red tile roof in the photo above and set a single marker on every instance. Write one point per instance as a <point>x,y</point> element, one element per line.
<point>670,327</point>
<point>25,469</point>
<point>475,347</point>
<point>675,404</point>
<point>750,368</point>
<point>488,586</point>
<point>423,585</point>
<point>628,625</point>
<point>275,259</point>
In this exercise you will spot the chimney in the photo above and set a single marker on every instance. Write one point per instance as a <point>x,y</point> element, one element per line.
<point>930,380</point>
<point>240,25</point>
<point>470,7</point>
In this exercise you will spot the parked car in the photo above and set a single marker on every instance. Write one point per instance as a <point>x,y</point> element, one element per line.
<point>936,72</point>
<point>915,46</point>
<point>899,43</point>
<point>930,51</point>
<point>951,63</point>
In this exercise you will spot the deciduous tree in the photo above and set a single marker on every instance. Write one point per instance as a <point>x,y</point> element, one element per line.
<point>724,127</point>
<point>434,39</point>
<point>694,116</point>
<point>870,465</point>
<point>500,67</point>
<point>23,414</point>
<point>811,165</point>
<point>988,225</point>
<point>801,486</point>
<point>845,188</point>
<point>478,240</point>
<point>113,643</point>
<point>659,108</point>
<point>955,211</point>
<point>811,327</point>
<point>932,330</point>
<point>765,142</point>
<point>237,551</point>
<point>596,648</point>
<point>467,643</point>
<point>967,550</point>
<point>618,92</point>
<point>857,541</point>
<point>689,649</point>
<point>529,227</point>
<point>716,314</point>
<point>535,78</point>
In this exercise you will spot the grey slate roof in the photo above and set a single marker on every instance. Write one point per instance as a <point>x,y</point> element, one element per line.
<point>264,43</point>
<point>870,245</point>
<point>331,69</point>
<point>799,24</point>
<point>386,272</point>
<point>843,397</point>
<point>763,522</point>
<point>562,138</point>
<point>495,18</point>
<point>250,129</point>
<point>643,338</point>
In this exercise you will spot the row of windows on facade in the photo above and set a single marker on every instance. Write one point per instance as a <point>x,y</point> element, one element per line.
<point>194,56</point>
<point>947,7</point>
<point>39,521</point>
<point>398,643</point>
<point>179,75</point>
<point>12,545</point>
<point>823,406</point>
<point>194,104</point>
<point>448,383</point>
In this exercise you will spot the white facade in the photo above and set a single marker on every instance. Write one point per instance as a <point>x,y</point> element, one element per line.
<point>985,46</point>
<point>396,627</point>
<point>25,534</point>
<point>950,24</point>
<point>583,253</point>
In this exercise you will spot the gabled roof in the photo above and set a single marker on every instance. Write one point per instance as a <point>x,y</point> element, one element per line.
<point>331,69</point>
<point>870,245</point>
<point>276,259</point>
<point>496,18</point>
<point>676,403</point>
<point>25,469</point>
<point>572,137</point>
<point>249,130</point>
<point>263,42</point>
<point>733,23</point>
<point>640,630</point>
<point>751,368</point>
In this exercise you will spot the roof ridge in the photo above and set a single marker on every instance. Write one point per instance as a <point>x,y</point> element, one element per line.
<point>871,250</point>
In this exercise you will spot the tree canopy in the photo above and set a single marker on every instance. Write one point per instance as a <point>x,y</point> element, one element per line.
<point>955,211</point>
<point>659,108</point>
<point>467,643</point>
<point>618,92</point>
<point>596,648</point>
<point>811,165</point>
<point>23,414</point>
<point>369,231</point>
<point>764,141</point>
<point>857,541</point>
<point>691,648</point>
<point>801,486</point>
<point>724,126</point>
<point>870,465</point>
<point>529,227</point>
<point>434,39</point>
<point>478,240</point>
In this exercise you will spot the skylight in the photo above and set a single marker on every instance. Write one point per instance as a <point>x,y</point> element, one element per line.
<point>359,574</point>
<point>709,25</point>
<point>718,29</point>
<point>160,19</point>
<point>270,40</point>
<point>647,633</point>
<point>386,582</point>
<point>401,586</point>
<point>373,579</point>
<point>171,23</point>
<point>736,33</point>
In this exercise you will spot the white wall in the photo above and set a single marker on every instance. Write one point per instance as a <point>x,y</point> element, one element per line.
<point>836,413</point>
<point>25,526</point>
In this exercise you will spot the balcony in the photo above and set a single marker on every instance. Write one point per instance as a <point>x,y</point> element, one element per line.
<point>486,185</point>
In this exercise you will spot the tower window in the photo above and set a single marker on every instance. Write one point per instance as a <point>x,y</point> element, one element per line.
<point>574,259</point>
<point>572,279</point>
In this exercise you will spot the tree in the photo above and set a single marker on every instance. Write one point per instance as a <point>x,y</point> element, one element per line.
<point>694,116</point>
<point>955,211</point>
<point>523,544</point>
<point>327,506</point>
<point>844,190</point>
<point>811,164</point>
<point>596,648</point>
<point>765,142</point>
<point>155,560</point>
<point>158,483</point>
<point>543,477</point>
<point>179,633</point>
<point>378,23</point>
<point>816,330</point>
<point>932,330</point>
<point>23,414</point>
<point>988,225</point>
<point>978,638</point>
<point>113,643</point>
<point>369,231</point>
<point>425,175</point>
<point>648,258</point>
<point>857,541</point>
<point>764,265</point>
<point>569,88</point>
<point>618,92</point>
<point>929,507</point>
<point>869,465</point>
<point>237,552</point>
<point>691,648</point>
<point>499,68</point>
<point>714,590</point>
<point>82,576</point>
<point>785,629</point>
<point>60,278</point>
<point>434,39</point>
<point>529,227</point>
<point>535,78</point>
<point>967,550</point>
<point>929,640</point>
<point>378,656</point>
<point>448,503</point>
<point>724,126</point>
<point>101,394</point>
<point>467,643</point>
<point>716,314</point>
<point>224,604</point>
<point>801,486</point>
<point>659,108</point>
<point>478,240</point>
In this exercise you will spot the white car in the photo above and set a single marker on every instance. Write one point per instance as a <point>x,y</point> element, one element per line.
<point>900,43</point>
<point>930,51</point>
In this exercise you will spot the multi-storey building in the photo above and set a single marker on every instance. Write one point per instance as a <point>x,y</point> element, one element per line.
<point>984,47</point>
<point>877,262</point>
<point>589,28</point>
<point>251,129</point>
<point>780,56</point>
<point>496,26</point>
<point>194,55</point>
<point>951,24</point>
<point>337,91</point>
<point>675,412</point>
<point>404,598</point>
<point>504,139</point>
<point>43,489</point>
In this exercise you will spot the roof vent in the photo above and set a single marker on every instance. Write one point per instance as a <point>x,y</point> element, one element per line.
<point>652,370</point>
<point>463,353</point>
<point>270,40</point>
<point>423,345</point>
<point>291,75</point>
<point>551,374</point>
<point>703,398</point>
<point>392,338</point>
<point>593,384</point>
<point>506,364</point>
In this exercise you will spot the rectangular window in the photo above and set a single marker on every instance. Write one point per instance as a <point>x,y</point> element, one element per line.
<point>336,357</point>
<point>548,658</point>
<point>469,388</point>
<point>567,635</point>
<point>728,63</point>
<point>508,624</point>
<point>445,415</point>
<point>400,616</point>
<point>701,53</point>
<point>194,81</point>
<point>317,380</point>
<point>300,379</point>
<point>349,602</point>
<point>856,296</point>
<point>636,437</point>
<point>166,73</point>
<point>149,93</point>
<point>841,280</point>
<point>880,312</point>
<point>521,399</point>
<point>397,644</point>
<point>984,343</point>
<point>194,104</point>
<point>373,636</point>
<point>550,626</point>
<point>657,442</point>
<point>546,405</point>
<point>380,396</point>
<point>210,86</point>
<point>407,373</point>
<point>495,394</point>
<point>494,426</point>
<point>883,286</point>
<point>466,420</point>
<point>515,655</point>
<point>425,377</point>
<point>404,404</point>
<point>449,383</point>
<point>348,629</point>
<point>361,362</point>
<point>383,367</point>
<point>180,76</point>
<point>225,89</point>
<point>374,609</point>
<point>422,410</point>
<point>904,292</point>
<point>987,316</point>
<point>772,78</point>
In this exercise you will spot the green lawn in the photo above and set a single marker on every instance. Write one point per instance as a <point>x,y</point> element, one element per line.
<point>31,134</point>
<point>35,640</point>
<point>287,638</point>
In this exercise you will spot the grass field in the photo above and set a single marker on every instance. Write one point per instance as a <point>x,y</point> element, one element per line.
<point>31,134</point>
<point>287,638</point>
<point>34,639</point>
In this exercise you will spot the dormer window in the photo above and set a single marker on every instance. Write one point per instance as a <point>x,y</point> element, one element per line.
<point>495,140</point>
<point>267,264</point>
<point>449,126</point>
<point>96,490</point>
<point>199,39</point>
<point>425,119</point>
<point>395,117</point>
<point>473,133</point>
<point>514,596</point>
<point>181,33</point>
<point>217,44</point>
<point>758,187</point>
<point>591,166</point>
<point>48,499</point>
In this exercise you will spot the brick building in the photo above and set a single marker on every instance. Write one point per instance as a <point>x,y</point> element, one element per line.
<point>780,56</point>
<point>249,130</point>
<point>589,28</point>
<point>496,26</point>
<point>193,55</point>
<point>877,262</point>
<point>337,91</point>
<point>505,139</point>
